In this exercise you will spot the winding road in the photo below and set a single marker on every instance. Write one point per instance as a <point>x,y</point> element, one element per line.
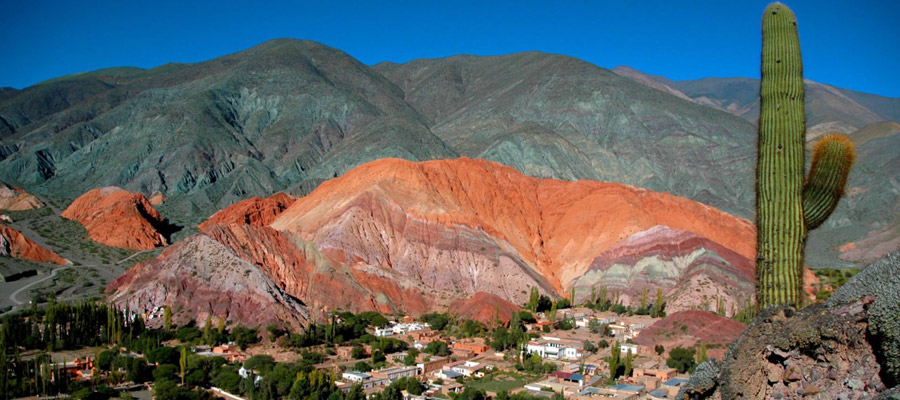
<point>14,297</point>
<point>15,294</point>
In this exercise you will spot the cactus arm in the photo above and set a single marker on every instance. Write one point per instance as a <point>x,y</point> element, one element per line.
<point>833,157</point>
<point>779,174</point>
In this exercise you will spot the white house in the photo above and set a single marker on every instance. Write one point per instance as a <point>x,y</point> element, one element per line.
<point>355,377</point>
<point>630,346</point>
<point>556,348</point>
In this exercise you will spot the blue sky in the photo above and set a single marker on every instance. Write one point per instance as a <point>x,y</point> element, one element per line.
<point>847,44</point>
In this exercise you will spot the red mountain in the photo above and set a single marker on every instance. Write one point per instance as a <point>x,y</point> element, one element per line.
<point>402,236</point>
<point>117,218</point>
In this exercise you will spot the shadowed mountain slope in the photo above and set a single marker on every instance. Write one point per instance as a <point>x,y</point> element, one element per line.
<point>284,114</point>
<point>556,116</point>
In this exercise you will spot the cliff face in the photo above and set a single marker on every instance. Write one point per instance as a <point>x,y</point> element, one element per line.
<point>118,218</point>
<point>14,244</point>
<point>201,277</point>
<point>399,236</point>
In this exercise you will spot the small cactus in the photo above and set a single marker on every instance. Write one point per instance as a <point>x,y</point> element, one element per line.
<point>786,210</point>
<point>832,158</point>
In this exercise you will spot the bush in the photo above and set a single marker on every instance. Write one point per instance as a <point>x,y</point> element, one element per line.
<point>681,359</point>
<point>362,366</point>
<point>164,372</point>
<point>438,348</point>
<point>260,363</point>
<point>163,355</point>
<point>244,337</point>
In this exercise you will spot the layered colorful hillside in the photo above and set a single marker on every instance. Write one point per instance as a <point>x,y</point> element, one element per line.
<point>395,235</point>
<point>15,199</point>
<point>14,244</point>
<point>118,218</point>
<point>254,211</point>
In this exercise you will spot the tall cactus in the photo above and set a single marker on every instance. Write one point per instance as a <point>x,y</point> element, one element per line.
<point>782,223</point>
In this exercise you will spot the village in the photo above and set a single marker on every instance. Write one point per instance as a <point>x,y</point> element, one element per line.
<point>573,353</point>
<point>580,369</point>
<point>574,363</point>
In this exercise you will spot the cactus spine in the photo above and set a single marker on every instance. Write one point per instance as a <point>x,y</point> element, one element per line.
<point>783,215</point>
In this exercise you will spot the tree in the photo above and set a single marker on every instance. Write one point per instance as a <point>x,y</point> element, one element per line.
<point>261,363</point>
<point>644,297</point>
<point>589,347</point>
<point>378,357</point>
<point>533,299</point>
<point>629,359</point>
<point>244,337</point>
<point>436,321</point>
<point>182,362</point>
<point>437,348</point>
<point>701,353</point>
<point>616,353</point>
<point>659,349</point>
<point>681,359</point>
<point>227,380</point>
<point>603,299</point>
<point>598,328</point>
<point>658,304</point>
<point>208,337</point>
<point>362,366</point>
<point>167,311</point>
<point>164,372</point>
<point>603,344</point>
<point>410,358</point>
<point>356,393</point>
<point>552,314</point>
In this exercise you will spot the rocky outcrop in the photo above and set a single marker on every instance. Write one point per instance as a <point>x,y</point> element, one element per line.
<point>846,348</point>
<point>157,199</point>
<point>14,244</point>
<point>485,308</point>
<point>118,218</point>
<point>200,277</point>
<point>15,199</point>
<point>254,211</point>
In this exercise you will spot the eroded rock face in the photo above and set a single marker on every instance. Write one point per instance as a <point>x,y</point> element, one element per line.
<point>472,225</point>
<point>399,236</point>
<point>254,211</point>
<point>201,277</point>
<point>15,199</point>
<point>14,244</point>
<point>118,218</point>
<point>846,348</point>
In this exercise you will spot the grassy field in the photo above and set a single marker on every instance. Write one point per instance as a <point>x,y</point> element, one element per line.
<point>500,381</point>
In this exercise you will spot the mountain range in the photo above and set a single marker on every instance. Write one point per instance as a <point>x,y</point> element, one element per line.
<point>287,115</point>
